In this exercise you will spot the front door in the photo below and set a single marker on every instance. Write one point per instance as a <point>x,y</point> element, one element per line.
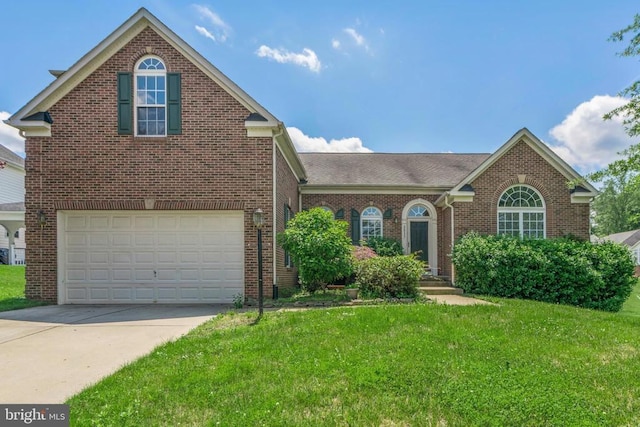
<point>419,233</point>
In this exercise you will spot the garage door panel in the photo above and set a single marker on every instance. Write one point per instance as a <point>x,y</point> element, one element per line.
<point>121,239</point>
<point>134,256</point>
<point>122,275</point>
<point>75,274</point>
<point>98,275</point>
<point>144,222</point>
<point>99,294</point>
<point>144,257</point>
<point>142,239</point>
<point>122,294</point>
<point>143,293</point>
<point>190,223</point>
<point>167,294</point>
<point>97,240</point>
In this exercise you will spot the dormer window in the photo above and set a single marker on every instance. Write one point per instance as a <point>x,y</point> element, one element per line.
<point>151,97</point>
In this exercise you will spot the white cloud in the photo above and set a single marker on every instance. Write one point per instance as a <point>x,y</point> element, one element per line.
<point>585,140</point>
<point>222,29</point>
<point>307,58</point>
<point>205,32</point>
<point>354,40</point>
<point>305,143</point>
<point>9,136</point>
<point>358,38</point>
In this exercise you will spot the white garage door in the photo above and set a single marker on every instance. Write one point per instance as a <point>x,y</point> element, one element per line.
<point>150,257</point>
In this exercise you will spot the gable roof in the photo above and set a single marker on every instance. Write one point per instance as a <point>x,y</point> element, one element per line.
<point>584,192</point>
<point>97,56</point>
<point>628,238</point>
<point>10,157</point>
<point>32,117</point>
<point>426,170</point>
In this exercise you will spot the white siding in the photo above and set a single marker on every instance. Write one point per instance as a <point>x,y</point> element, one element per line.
<point>11,184</point>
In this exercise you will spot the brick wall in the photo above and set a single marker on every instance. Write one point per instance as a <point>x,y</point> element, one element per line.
<point>562,216</point>
<point>85,162</point>
<point>286,194</point>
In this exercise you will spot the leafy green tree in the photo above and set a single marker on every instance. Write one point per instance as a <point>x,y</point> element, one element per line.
<point>617,208</point>
<point>319,246</point>
<point>630,112</point>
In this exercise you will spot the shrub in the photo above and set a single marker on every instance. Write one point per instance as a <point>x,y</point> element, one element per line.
<point>319,247</point>
<point>389,277</point>
<point>360,253</point>
<point>564,270</point>
<point>384,246</point>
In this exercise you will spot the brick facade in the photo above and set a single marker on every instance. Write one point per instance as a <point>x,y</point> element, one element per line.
<point>286,194</point>
<point>214,165</point>
<point>85,163</point>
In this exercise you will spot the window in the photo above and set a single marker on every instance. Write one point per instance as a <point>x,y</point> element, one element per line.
<point>371,223</point>
<point>151,97</point>
<point>327,209</point>
<point>521,213</point>
<point>418,211</point>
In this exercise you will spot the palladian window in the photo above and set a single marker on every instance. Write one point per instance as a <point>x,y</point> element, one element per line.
<point>521,212</point>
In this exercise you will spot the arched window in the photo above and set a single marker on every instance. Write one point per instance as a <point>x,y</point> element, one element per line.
<point>371,223</point>
<point>151,97</point>
<point>521,212</point>
<point>326,208</point>
<point>418,211</point>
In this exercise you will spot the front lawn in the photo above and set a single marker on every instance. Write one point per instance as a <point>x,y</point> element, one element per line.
<point>522,363</point>
<point>632,306</point>
<point>12,283</point>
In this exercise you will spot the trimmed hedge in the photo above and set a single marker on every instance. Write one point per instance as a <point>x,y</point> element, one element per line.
<point>563,270</point>
<point>389,277</point>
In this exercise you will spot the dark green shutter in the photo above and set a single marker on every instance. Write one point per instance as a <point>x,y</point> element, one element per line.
<point>355,227</point>
<point>387,214</point>
<point>125,112</point>
<point>340,214</point>
<point>174,119</point>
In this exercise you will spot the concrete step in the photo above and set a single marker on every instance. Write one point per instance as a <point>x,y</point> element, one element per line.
<point>440,290</point>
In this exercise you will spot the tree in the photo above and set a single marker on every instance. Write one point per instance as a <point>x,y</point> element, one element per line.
<point>617,208</point>
<point>630,111</point>
<point>319,246</point>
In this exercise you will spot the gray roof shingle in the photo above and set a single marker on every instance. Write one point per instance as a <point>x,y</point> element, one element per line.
<point>628,238</point>
<point>382,169</point>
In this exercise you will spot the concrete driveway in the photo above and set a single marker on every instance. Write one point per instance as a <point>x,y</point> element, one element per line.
<point>50,353</point>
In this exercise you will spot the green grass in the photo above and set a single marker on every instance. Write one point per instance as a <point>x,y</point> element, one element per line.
<point>12,283</point>
<point>632,306</point>
<point>521,363</point>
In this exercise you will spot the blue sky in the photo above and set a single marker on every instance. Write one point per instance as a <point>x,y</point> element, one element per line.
<point>404,76</point>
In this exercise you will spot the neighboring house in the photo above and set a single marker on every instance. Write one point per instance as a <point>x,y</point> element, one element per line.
<point>630,239</point>
<point>145,165</point>
<point>12,231</point>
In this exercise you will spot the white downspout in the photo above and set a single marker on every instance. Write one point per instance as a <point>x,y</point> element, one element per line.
<point>453,228</point>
